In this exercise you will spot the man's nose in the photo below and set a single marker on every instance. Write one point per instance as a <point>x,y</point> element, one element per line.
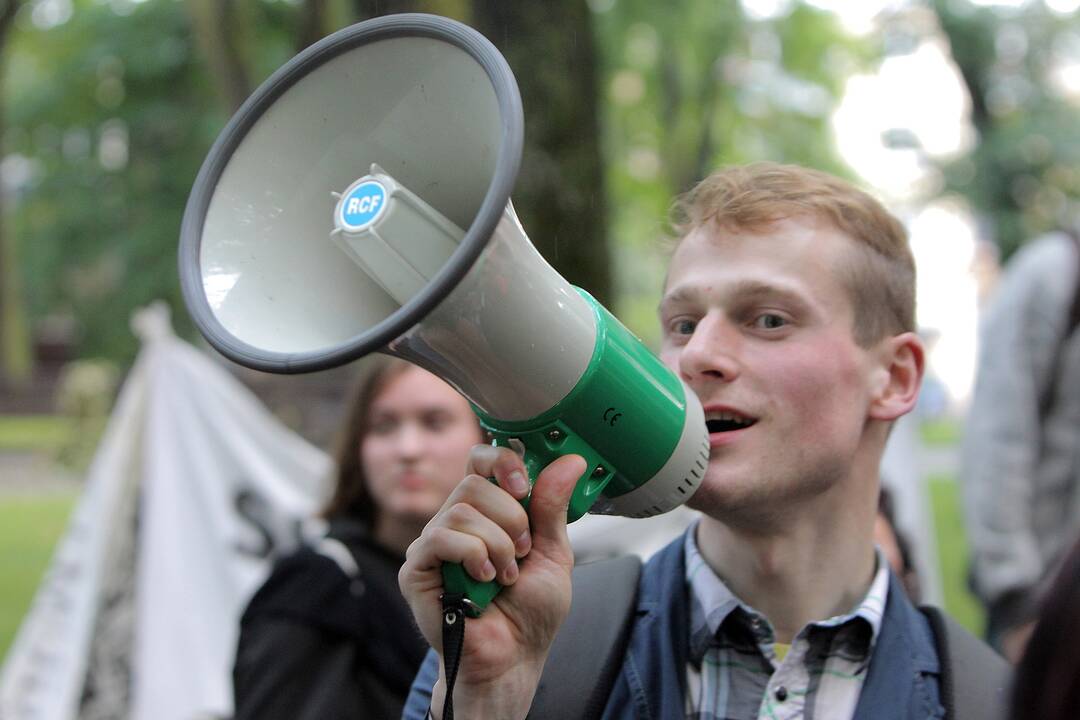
<point>712,351</point>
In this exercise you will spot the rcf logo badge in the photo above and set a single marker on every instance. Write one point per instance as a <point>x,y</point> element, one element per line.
<point>362,205</point>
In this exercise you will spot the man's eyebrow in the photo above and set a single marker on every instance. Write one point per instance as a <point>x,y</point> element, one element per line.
<point>742,290</point>
<point>679,295</point>
<point>752,289</point>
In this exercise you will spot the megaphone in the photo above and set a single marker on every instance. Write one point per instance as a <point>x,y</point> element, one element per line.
<point>359,201</point>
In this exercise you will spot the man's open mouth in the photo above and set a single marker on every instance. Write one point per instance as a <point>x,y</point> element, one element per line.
<point>727,422</point>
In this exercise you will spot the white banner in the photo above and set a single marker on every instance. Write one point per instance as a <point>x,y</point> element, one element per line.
<point>194,490</point>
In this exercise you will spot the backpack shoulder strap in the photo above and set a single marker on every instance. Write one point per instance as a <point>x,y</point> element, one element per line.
<point>975,680</point>
<point>587,653</point>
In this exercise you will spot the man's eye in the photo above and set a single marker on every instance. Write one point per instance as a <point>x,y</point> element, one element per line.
<point>683,326</point>
<point>770,321</point>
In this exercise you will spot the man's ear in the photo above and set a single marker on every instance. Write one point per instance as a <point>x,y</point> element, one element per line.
<point>901,362</point>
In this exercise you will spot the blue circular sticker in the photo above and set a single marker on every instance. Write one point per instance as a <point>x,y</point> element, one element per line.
<point>363,205</point>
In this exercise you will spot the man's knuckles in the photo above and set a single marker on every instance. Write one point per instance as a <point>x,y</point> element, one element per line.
<point>460,515</point>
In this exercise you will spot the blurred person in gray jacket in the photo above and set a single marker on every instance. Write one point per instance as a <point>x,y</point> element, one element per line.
<point>1020,469</point>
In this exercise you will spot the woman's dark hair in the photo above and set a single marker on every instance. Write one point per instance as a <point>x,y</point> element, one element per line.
<point>351,496</point>
<point>1047,680</point>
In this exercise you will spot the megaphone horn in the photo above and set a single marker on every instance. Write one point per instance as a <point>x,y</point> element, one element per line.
<point>359,201</point>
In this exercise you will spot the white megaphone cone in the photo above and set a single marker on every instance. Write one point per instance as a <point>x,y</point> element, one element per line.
<point>359,201</point>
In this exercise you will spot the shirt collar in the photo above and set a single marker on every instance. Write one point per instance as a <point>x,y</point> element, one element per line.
<point>711,602</point>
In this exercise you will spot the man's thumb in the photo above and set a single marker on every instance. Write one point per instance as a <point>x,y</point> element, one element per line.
<point>551,496</point>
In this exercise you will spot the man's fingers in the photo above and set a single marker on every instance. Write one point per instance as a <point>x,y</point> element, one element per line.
<point>551,496</point>
<point>479,509</point>
<point>504,465</point>
<point>442,545</point>
<point>501,554</point>
<point>493,503</point>
<point>549,499</point>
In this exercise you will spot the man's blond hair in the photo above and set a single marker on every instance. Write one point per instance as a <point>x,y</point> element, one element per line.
<point>879,273</point>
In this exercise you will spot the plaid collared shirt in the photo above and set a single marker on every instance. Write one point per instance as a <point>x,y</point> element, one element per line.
<point>734,673</point>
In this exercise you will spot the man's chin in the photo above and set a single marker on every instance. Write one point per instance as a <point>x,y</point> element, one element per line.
<point>726,497</point>
<point>711,501</point>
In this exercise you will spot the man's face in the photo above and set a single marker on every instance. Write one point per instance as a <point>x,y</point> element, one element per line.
<point>760,326</point>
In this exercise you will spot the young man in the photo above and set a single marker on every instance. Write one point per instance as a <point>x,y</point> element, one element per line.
<point>788,307</point>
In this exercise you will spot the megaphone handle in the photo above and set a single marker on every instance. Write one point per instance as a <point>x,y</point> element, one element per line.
<point>478,593</point>
<point>538,448</point>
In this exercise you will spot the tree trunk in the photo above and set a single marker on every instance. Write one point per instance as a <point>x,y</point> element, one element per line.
<point>971,37</point>
<point>560,190</point>
<point>219,37</point>
<point>16,356</point>
<point>366,9</point>
<point>312,23</point>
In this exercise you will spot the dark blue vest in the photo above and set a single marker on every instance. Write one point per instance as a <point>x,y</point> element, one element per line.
<point>902,683</point>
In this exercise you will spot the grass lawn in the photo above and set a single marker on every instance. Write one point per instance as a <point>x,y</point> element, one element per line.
<point>30,525</point>
<point>33,432</point>
<point>939,432</point>
<point>953,553</point>
<point>69,442</point>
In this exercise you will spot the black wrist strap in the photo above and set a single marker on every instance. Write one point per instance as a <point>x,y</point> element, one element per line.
<point>453,639</point>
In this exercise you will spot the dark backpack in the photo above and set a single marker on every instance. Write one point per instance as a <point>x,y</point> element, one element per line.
<point>605,595</point>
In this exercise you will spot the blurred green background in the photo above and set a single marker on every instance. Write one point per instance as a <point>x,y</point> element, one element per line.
<point>109,107</point>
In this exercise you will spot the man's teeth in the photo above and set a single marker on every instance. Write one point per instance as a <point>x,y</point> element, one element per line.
<point>723,422</point>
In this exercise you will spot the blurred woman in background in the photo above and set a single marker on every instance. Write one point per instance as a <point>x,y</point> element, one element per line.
<point>329,635</point>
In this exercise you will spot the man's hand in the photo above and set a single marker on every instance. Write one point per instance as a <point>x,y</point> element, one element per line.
<point>484,527</point>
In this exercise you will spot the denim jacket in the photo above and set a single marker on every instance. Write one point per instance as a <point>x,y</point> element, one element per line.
<point>902,683</point>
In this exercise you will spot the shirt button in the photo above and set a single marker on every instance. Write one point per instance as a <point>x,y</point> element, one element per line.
<point>781,693</point>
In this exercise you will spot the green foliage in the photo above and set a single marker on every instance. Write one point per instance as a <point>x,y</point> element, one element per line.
<point>112,110</point>
<point>694,84</point>
<point>270,34</point>
<point>111,117</point>
<point>1021,178</point>
<point>29,528</point>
